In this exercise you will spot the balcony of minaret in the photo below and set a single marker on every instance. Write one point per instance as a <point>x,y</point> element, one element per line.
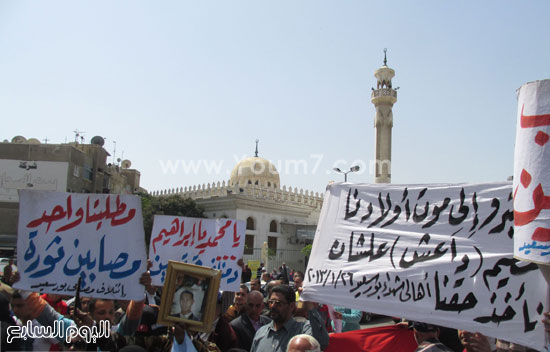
<point>383,95</point>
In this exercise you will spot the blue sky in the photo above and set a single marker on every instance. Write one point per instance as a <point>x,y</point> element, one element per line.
<point>197,82</point>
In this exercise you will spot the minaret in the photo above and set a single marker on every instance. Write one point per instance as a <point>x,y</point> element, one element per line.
<point>383,98</point>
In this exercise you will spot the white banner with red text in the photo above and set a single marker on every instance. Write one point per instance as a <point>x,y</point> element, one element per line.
<point>532,173</point>
<point>214,243</point>
<point>98,238</point>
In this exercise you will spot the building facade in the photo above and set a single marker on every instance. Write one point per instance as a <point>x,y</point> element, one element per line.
<point>283,218</point>
<point>71,167</point>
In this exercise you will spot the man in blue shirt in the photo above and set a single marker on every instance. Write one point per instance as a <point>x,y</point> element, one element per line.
<point>274,337</point>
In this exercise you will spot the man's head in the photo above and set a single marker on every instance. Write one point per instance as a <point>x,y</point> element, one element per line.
<point>254,305</point>
<point>10,261</point>
<point>424,331</point>
<point>240,297</point>
<point>85,304</point>
<point>282,303</point>
<point>272,284</point>
<point>102,309</point>
<point>255,285</point>
<point>298,278</point>
<point>20,307</point>
<point>303,343</point>
<point>266,277</point>
<point>186,301</point>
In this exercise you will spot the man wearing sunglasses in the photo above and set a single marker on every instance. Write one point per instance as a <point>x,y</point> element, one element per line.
<point>246,325</point>
<point>275,336</point>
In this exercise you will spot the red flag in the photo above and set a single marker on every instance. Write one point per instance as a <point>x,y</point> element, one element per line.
<point>380,339</point>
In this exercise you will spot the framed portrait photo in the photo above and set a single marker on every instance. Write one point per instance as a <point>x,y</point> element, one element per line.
<point>189,295</point>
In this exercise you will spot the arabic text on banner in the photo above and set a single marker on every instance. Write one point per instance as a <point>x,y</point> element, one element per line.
<point>64,236</point>
<point>433,253</point>
<point>214,243</point>
<point>532,174</point>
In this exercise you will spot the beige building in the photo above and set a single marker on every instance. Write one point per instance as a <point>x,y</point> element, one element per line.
<point>72,167</point>
<point>284,218</point>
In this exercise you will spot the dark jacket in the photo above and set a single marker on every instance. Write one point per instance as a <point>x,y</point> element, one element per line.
<point>245,330</point>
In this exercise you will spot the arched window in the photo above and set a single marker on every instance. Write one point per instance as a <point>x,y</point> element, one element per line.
<point>250,224</point>
<point>273,226</point>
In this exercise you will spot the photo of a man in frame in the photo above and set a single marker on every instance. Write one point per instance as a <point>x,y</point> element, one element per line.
<point>186,301</point>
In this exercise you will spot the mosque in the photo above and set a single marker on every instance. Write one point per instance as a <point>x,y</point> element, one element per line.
<point>284,218</point>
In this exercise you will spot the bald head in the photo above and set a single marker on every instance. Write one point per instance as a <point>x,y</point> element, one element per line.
<point>254,305</point>
<point>254,295</point>
<point>303,343</point>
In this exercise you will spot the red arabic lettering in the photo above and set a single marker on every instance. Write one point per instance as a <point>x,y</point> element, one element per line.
<point>541,234</point>
<point>541,202</point>
<point>121,208</point>
<point>236,237</point>
<point>222,229</point>
<point>528,121</point>
<point>80,214</point>
<point>59,213</point>
<point>202,234</point>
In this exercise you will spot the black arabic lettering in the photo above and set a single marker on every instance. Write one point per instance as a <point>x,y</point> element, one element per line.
<point>462,209</point>
<point>468,302</point>
<point>380,252</point>
<point>335,255</point>
<point>351,214</point>
<point>382,213</point>
<point>436,212</point>
<point>509,314</point>
<point>416,258</point>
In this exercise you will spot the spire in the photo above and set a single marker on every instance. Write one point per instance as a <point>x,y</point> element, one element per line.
<point>385,60</point>
<point>256,153</point>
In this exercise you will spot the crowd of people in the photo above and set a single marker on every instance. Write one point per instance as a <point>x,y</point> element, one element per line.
<point>266,314</point>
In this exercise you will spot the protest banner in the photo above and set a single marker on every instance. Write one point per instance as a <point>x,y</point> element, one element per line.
<point>532,174</point>
<point>96,237</point>
<point>441,254</point>
<point>214,243</point>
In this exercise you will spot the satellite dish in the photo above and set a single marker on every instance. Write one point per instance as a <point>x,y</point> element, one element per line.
<point>98,140</point>
<point>19,140</point>
<point>33,141</point>
<point>126,164</point>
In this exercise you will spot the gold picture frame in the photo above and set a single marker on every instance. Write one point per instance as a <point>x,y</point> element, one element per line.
<point>189,295</point>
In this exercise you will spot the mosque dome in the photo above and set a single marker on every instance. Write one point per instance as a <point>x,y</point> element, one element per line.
<point>255,171</point>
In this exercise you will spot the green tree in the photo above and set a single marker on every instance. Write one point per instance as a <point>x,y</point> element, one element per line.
<point>306,250</point>
<point>169,205</point>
